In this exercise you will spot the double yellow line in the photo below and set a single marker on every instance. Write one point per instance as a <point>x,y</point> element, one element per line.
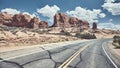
<point>70,59</point>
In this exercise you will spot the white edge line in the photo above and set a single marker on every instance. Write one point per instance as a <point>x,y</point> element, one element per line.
<point>109,57</point>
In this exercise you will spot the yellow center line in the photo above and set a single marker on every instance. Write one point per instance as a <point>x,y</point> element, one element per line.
<point>70,59</point>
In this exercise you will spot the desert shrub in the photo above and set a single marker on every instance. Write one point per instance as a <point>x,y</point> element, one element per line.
<point>78,35</point>
<point>65,33</point>
<point>119,42</point>
<point>85,36</point>
<point>116,45</point>
<point>116,41</point>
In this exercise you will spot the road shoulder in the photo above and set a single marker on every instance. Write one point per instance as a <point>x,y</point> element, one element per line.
<point>113,52</point>
<point>35,49</point>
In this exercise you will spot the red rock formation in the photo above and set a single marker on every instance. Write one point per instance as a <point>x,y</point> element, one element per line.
<point>61,20</point>
<point>73,21</point>
<point>94,25</point>
<point>43,24</point>
<point>35,22</point>
<point>24,20</point>
<point>85,25</point>
<point>21,20</point>
<point>5,18</point>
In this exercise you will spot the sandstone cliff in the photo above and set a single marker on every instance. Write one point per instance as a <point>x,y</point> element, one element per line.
<point>21,20</point>
<point>62,20</point>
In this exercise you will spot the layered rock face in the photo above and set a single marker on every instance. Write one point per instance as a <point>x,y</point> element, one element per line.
<point>34,22</point>
<point>43,24</point>
<point>62,20</point>
<point>24,20</point>
<point>21,20</point>
<point>94,26</point>
<point>5,18</point>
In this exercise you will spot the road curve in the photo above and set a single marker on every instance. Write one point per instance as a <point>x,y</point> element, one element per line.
<point>92,56</point>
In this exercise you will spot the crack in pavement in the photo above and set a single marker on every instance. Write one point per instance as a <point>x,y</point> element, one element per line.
<point>80,56</point>
<point>49,53</point>
<point>99,53</point>
<point>34,61</point>
<point>49,56</point>
<point>63,48</point>
<point>6,63</point>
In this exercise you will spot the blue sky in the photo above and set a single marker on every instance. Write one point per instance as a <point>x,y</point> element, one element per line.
<point>104,12</point>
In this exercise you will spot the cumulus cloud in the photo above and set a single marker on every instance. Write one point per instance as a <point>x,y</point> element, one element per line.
<point>10,11</point>
<point>15,11</point>
<point>48,11</point>
<point>102,15</point>
<point>114,8</point>
<point>108,26</point>
<point>31,15</point>
<point>86,14</point>
<point>110,20</point>
<point>109,1</point>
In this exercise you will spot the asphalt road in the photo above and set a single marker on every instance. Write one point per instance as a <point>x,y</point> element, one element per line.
<point>92,56</point>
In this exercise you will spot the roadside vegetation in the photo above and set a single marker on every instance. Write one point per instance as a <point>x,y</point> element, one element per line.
<point>62,32</point>
<point>116,41</point>
<point>85,35</point>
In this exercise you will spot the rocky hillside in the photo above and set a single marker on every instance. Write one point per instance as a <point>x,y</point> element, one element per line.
<point>21,20</point>
<point>25,36</point>
<point>24,20</point>
<point>62,20</point>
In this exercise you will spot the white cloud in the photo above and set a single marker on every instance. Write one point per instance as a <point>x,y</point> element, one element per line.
<point>108,26</point>
<point>15,11</point>
<point>49,11</point>
<point>114,8</point>
<point>10,11</point>
<point>31,15</point>
<point>109,1</point>
<point>102,15</point>
<point>86,14</point>
<point>110,20</point>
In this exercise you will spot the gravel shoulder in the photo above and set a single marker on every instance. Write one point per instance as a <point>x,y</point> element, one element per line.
<point>113,52</point>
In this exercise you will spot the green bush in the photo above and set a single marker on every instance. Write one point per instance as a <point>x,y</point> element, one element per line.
<point>85,36</point>
<point>78,35</point>
<point>119,42</point>
<point>65,33</point>
<point>116,45</point>
<point>116,41</point>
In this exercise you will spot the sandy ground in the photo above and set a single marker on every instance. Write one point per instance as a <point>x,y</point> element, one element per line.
<point>11,48</point>
<point>113,52</point>
<point>18,38</point>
